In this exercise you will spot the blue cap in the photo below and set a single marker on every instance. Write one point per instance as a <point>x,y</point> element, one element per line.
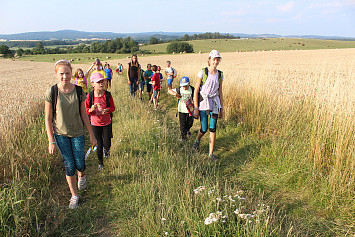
<point>184,81</point>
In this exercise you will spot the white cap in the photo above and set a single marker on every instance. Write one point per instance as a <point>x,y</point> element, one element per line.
<point>215,54</point>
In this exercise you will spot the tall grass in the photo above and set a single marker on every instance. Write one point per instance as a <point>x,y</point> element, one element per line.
<point>300,106</point>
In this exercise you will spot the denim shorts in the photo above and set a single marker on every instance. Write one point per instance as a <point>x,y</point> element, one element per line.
<point>73,153</point>
<point>155,93</point>
<point>141,86</point>
<point>170,82</point>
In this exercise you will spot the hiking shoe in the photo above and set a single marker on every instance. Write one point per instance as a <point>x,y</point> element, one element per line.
<point>196,145</point>
<point>100,167</point>
<point>213,157</point>
<point>74,202</point>
<point>106,154</point>
<point>82,182</point>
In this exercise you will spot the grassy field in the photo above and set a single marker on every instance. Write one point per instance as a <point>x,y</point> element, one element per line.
<point>206,46</point>
<point>286,147</point>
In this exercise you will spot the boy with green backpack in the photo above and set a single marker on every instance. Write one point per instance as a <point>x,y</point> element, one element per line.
<point>185,95</point>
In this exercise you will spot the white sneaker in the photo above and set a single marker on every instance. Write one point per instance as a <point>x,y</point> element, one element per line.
<point>82,182</point>
<point>74,202</point>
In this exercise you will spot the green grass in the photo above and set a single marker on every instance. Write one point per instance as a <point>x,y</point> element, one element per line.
<point>84,57</point>
<point>206,46</point>
<point>147,187</point>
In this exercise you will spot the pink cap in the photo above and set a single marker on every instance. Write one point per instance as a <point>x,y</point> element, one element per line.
<point>96,77</point>
<point>215,54</point>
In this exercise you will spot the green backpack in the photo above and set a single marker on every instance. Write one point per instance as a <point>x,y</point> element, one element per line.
<point>205,75</point>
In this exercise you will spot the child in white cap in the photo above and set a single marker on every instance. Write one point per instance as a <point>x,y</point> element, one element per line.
<point>208,100</point>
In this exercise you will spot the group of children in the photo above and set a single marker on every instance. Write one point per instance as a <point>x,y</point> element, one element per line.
<point>65,125</point>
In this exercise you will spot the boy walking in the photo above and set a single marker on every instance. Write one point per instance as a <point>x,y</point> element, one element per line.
<point>156,86</point>
<point>171,74</point>
<point>185,94</point>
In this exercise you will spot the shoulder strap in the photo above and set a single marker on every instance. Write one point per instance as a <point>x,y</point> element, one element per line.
<point>108,98</point>
<point>54,95</point>
<point>79,92</point>
<point>204,75</point>
<point>193,90</point>
<point>91,97</point>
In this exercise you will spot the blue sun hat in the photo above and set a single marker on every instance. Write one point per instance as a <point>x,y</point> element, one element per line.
<point>184,81</point>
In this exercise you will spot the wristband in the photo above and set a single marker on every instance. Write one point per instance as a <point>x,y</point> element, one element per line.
<point>52,143</point>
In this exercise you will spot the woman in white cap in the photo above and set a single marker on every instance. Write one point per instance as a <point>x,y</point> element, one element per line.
<point>208,100</point>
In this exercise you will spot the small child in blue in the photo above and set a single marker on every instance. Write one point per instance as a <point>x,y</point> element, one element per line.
<point>185,94</point>
<point>109,74</point>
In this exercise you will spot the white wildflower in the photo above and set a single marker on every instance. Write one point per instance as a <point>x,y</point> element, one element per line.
<point>208,221</point>
<point>199,189</point>
<point>166,233</point>
<point>236,211</point>
<point>219,199</point>
<point>163,219</point>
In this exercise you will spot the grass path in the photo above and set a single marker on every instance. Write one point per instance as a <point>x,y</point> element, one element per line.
<point>147,186</point>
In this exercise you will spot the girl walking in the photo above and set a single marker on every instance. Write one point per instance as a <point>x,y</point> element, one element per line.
<point>208,100</point>
<point>99,104</point>
<point>65,118</point>
<point>80,80</point>
<point>133,73</point>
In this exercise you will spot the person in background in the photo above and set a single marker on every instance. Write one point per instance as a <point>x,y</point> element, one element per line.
<point>109,74</point>
<point>156,86</point>
<point>80,80</point>
<point>141,83</point>
<point>133,74</point>
<point>148,76</point>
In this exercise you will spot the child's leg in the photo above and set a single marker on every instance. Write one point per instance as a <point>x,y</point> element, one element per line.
<point>65,149</point>
<point>213,127</point>
<point>107,134</point>
<point>189,122</point>
<point>182,120</point>
<point>97,130</point>
<point>78,144</point>
<point>204,124</point>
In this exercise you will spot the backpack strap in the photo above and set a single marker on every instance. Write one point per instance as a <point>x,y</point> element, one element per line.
<point>108,101</point>
<point>91,97</point>
<point>54,95</point>
<point>193,91</point>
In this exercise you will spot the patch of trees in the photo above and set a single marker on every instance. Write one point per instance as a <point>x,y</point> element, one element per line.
<point>208,35</point>
<point>5,52</point>
<point>178,47</point>
<point>119,46</point>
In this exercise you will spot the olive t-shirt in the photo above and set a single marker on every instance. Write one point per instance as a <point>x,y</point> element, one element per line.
<point>67,120</point>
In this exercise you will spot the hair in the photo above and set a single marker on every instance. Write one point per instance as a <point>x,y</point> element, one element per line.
<point>136,64</point>
<point>208,62</point>
<point>62,63</point>
<point>77,73</point>
<point>168,62</point>
<point>154,67</point>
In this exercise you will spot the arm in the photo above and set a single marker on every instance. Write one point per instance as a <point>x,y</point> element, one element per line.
<point>196,95</point>
<point>49,126</point>
<point>220,91</point>
<point>171,92</point>
<point>88,71</point>
<point>129,82</point>
<point>112,106</point>
<point>87,124</point>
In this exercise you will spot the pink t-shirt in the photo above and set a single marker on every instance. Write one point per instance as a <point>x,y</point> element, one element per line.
<point>97,118</point>
<point>210,87</point>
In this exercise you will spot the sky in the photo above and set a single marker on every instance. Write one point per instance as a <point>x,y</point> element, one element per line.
<point>301,17</point>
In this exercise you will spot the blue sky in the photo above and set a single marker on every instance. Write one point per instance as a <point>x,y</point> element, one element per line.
<point>302,17</point>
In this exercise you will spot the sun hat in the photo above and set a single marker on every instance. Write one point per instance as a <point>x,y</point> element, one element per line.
<point>215,54</point>
<point>184,81</point>
<point>96,77</point>
<point>158,68</point>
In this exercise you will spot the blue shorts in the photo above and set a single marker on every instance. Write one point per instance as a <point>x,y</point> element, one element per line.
<point>155,93</point>
<point>141,86</point>
<point>73,153</point>
<point>170,82</point>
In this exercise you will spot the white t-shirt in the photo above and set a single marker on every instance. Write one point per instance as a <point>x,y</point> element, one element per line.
<point>169,70</point>
<point>185,96</point>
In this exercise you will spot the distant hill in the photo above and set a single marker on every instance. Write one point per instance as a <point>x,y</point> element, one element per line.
<point>140,37</point>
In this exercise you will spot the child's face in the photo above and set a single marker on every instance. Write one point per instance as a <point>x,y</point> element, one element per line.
<point>97,66</point>
<point>149,67</point>
<point>215,61</point>
<point>186,87</point>
<point>168,64</point>
<point>64,74</point>
<point>100,85</point>
<point>81,74</point>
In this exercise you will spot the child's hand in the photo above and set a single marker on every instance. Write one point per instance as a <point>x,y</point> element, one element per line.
<point>93,107</point>
<point>105,111</point>
<point>196,113</point>
<point>52,148</point>
<point>178,95</point>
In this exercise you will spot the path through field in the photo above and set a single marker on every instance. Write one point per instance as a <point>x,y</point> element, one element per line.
<point>147,185</point>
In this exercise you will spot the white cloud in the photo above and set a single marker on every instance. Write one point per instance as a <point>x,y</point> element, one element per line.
<point>336,3</point>
<point>288,6</point>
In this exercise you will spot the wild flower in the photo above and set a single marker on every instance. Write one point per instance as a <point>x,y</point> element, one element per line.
<point>163,219</point>
<point>199,189</point>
